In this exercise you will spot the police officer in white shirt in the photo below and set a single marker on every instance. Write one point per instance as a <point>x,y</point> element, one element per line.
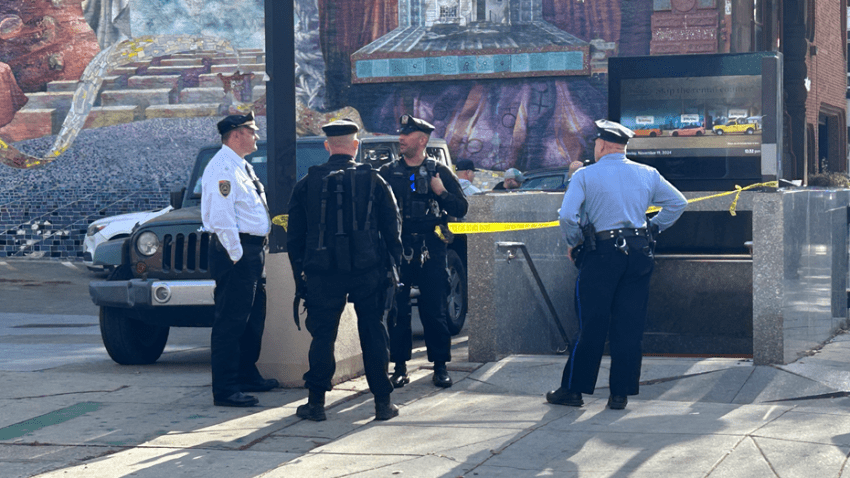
<point>233,206</point>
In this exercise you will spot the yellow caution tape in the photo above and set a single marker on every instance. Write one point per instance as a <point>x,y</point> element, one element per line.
<point>736,192</point>
<point>480,227</point>
<point>486,227</point>
<point>3,145</point>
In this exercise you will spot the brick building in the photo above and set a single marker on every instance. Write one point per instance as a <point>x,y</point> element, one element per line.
<point>812,36</point>
<point>826,63</point>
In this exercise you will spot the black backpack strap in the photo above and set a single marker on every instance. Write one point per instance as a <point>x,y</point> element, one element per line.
<point>342,250</point>
<point>340,227</point>
<point>322,223</point>
<point>374,181</point>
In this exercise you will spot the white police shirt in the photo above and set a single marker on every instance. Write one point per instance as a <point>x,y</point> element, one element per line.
<point>230,203</point>
<point>614,193</point>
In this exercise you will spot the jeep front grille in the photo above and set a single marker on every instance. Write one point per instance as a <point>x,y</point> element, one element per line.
<point>185,252</point>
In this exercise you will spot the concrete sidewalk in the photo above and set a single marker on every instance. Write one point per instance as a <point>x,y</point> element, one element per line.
<point>693,418</point>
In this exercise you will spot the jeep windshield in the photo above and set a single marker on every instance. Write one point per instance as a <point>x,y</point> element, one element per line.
<point>309,152</point>
<point>258,160</point>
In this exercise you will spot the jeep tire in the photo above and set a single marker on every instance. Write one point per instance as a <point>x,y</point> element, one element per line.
<point>456,299</point>
<point>130,341</point>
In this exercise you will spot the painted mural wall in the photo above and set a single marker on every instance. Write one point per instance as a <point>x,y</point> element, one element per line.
<point>104,103</point>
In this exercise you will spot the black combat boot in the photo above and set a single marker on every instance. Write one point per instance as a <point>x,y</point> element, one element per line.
<point>400,377</point>
<point>314,409</point>
<point>441,375</point>
<point>384,410</point>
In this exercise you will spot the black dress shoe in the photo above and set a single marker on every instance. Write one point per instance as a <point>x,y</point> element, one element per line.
<point>564,397</point>
<point>262,385</point>
<point>311,411</point>
<point>238,399</point>
<point>399,379</point>
<point>441,378</point>
<point>617,402</point>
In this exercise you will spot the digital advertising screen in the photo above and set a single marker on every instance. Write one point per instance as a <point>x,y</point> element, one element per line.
<point>693,117</point>
<point>706,122</point>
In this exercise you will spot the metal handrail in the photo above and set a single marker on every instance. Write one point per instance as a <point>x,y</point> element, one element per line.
<point>510,248</point>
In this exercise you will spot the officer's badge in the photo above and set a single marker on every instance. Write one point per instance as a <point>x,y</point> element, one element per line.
<point>224,187</point>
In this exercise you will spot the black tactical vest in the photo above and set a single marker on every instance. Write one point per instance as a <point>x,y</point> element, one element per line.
<point>417,204</point>
<point>342,231</point>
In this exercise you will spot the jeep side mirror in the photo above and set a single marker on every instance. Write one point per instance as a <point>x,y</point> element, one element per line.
<point>177,198</point>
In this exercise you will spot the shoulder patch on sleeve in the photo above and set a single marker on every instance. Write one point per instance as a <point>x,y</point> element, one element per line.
<point>224,187</point>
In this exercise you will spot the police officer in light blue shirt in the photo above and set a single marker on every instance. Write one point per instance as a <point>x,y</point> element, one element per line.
<point>233,206</point>
<point>604,213</point>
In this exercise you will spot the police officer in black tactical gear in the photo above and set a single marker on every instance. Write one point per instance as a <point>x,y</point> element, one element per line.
<point>604,211</point>
<point>428,193</point>
<point>344,239</point>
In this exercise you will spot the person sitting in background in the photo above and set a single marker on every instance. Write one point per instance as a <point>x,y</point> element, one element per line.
<point>465,170</point>
<point>513,180</point>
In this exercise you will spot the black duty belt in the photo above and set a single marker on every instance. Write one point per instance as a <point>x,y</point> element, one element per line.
<point>251,239</point>
<point>615,233</point>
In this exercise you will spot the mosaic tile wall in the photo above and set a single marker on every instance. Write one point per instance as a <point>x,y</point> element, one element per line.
<point>53,223</point>
<point>44,212</point>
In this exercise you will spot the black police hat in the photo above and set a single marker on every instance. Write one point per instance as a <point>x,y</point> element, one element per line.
<point>340,127</point>
<point>237,121</point>
<point>613,132</point>
<point>465,165</point>
<point>409,124</point>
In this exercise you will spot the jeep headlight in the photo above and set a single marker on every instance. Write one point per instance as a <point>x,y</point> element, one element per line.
<point>147,244</point>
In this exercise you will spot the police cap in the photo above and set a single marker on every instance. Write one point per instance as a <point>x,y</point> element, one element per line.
<point>613,132</point>
<point>340,127</point>
<point>409,124</point>
<point>237,121</point>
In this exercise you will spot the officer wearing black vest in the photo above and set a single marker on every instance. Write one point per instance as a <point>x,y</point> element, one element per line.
<point>344,239</point>
<point>428,192</point>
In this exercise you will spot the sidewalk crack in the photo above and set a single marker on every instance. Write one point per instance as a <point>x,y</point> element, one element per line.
<point>69,393</point>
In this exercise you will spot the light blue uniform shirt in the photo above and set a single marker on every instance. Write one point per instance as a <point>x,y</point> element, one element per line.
<point>614,193</point>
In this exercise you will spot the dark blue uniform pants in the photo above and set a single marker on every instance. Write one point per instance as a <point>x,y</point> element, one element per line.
<point>326,298</point>
<point>433,281</point>
<point>240,317</point>
<point>612,290</point>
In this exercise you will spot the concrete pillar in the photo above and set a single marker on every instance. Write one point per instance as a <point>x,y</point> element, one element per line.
<point>768,288</point>
<point>284,353</point>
